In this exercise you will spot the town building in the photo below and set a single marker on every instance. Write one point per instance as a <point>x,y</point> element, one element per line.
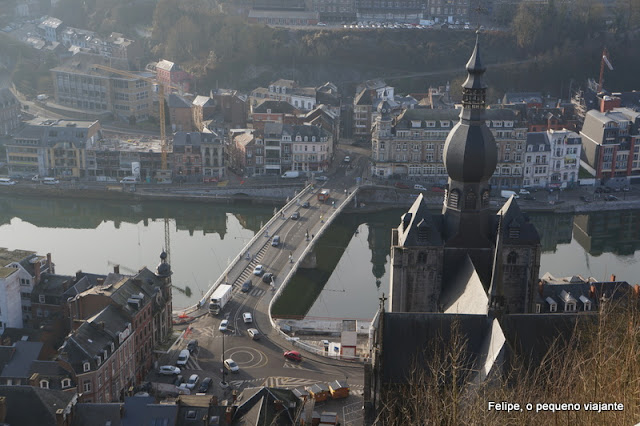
<point>366,95</point>
<point>180,114</point>
<point>247,156</point>
<point>20,271</point>
<point>272,111</point>
<point>170,74</point>
<point>399,11</point>
<point>51,29</point>
<point>412,145</point>
<point>32,405</point>
<point>103,354</point>
<point>610,146</point>
<point>55,148</point>
<point>283,17</point>
<point>552,159</point>
<point>233,106</point>
<point>334,10</point>
<point>203,109</point>
<point>302,98</point>
<point>79,83</point>
<point>9,112</point>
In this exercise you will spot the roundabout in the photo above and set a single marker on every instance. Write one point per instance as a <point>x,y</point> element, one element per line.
<point>247,357</point>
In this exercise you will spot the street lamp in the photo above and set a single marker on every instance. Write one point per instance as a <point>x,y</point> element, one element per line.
<point>223,383</point>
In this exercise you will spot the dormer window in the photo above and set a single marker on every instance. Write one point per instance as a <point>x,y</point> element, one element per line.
<point>497,124</point>
<point>112,347</point>
<point>313,138</point>
<point>541,147</point>
<point>66,383</point>
<point>553,306</point>
<point>44,384</point>
<point>586,303</point>
<point>445,123</point>
<point>431,124</point>
<point>86,367</point>
<point>530,148</point>
<point>416,123</point>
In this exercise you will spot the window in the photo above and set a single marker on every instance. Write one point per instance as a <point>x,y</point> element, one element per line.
<point>86,367</point>
<point>41,298</point>
<point>66,383</point>
<point>512,257</point>
<point>44,384</point>
<point>86,386</point>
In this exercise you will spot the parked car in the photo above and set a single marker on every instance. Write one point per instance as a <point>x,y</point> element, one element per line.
<point>231,365</point>
<point>610,198</point>
<point>247,318</point>
<point>437,189</point>
<point>168,370</point>
<point>179,380</point>
<point>585,198</point>
<point>204,386</point>
<point>293,355</point>
<point>183,357</point>
<point>224,325</point>
<point>347,159</point>
<point>193,381</point>
<point>246,286</point>
<point>50,181</point>
<point>419,187</point>
<point>528,197</point>
<point>268,278</point>
<point>401,185</point>
<point>321,178</point>
<point>306,205</point>
<point>192,346</point>
<point>253,333</point>
<point>258,270</point>
<point>524,191</point>
<point>295,215</point>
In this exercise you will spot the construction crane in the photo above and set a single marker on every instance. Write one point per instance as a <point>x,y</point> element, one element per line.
<point>605,60</point>
<point>164,174</point>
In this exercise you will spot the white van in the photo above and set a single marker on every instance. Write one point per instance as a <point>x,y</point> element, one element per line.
<point>419,187</point>
<point>129,179</point>
<point>50,181</point>
<point>183,357</point>
<point>508,194</point>
<point>7,181</point>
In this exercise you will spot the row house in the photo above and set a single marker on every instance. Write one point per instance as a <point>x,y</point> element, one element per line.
<point>412,145</point>
<point>367,94</point>
<point>552,159</point>
<point>203,108</point>
<point>198,157</point>
<point>543,119</point>
<point>144,298</point>
<point>233,106</point>
<point>20,270</point>
<point>272,111</point>
<point>9,112</point>
<point>79,84</point>
<point>53,148</point>
<point>180,114</point>
<point>247,154</point>
<point>170,74</point>
<point>610,147</point>
<point>302,98</point>
<point>312,148</point>
<point>102,354</point>
<point>335,10</point>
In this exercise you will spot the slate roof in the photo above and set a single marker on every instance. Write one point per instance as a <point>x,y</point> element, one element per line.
<point>463,292</point>
<point>276,107</point>
<point>520,97</point>
<point>52,284</point>
<point>48,369</point>
<point>182,139</point>
<point>419,227</point>
<point>142,410</point>
<point>244,139</point>
<point>409,338</point>
<point>82,63</point>
<point>93,414</point>
<point>27,405</point>
<point>177,101</point>
<point>166,65</point>
<point>192,409</point>
<point>203,101</point>
<point>536,139</point>
<point>256,407</point>
<point>20,363</point>
<point>304,130</point>
<point>514,219</point>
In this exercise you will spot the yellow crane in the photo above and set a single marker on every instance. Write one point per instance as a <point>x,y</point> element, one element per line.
<point>164,174</point>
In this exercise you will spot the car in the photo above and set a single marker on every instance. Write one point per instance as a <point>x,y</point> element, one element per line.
<point>50,181</point>
<point>401,185</point>
<point>231,365</point>
<point>306,205</point>
<point>321,178</point>
<point>205,384</point>
<point>179,380</point>
<point>247,318</point>
<point>183,357</point>
<point>610,198</point>
<point>36,178</point>
<point>585,198</point>
<point>295,216</point>
<point>253,333</point>
<point>419,187</point>
<point>293,356</point>
<point>7,181</point>
<point>347,159</point>
<point>168,370</point>
<point>246,286</point>
<point>321,24</point>
<point>193,381</point>
<point>275,241</point>
<point>626,189</point>
<point>268,278</point>
<point>528,197</point>
<point>437,189</point>
<point>258,270</point>
<point>224,325</point>
<point>192,346</point>
<point>524,191</point>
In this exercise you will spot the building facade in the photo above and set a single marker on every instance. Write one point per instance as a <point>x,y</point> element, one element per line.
<point>552,159</point>
<point>9,112</point>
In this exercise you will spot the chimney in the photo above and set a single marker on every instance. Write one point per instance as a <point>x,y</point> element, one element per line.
<point>60,417</point>
<point>592,292</point>
<point>228,414</point>
<point>3,408</point>
<point>36,267</point>
<point>99,281</point>
<point>116,269</point>
<point>49,263</point>
<point>613,278</point>
<point>540,287</point>
<point>33,380</point>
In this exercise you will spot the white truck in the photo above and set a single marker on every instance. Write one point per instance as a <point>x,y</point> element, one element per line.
<point>219,298</point>
<point>508,194</point>
<point>290,174</point>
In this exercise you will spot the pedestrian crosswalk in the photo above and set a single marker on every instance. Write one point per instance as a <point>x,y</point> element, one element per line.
<point>192,364</point>
<point>294,365</point>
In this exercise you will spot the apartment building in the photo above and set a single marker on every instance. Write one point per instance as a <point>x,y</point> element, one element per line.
<point>247,156</point>
<point>9,112</point>
<point>552,159</point>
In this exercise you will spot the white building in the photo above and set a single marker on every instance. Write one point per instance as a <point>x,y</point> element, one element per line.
<point>552,159</point>
<point>20,270</point>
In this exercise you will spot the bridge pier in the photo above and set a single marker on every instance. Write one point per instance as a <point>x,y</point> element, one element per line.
<point>309,261</point>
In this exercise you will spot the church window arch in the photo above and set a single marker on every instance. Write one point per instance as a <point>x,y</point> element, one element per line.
<point>512,258</point>
<point>470,200</point>
<point>454,198</point>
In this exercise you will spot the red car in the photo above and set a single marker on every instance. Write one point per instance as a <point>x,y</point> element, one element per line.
<point>437,189</point>
<point>293,355</point>
<point>401,185</point>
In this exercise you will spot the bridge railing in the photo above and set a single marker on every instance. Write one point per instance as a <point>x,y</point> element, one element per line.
<point>203,301</point>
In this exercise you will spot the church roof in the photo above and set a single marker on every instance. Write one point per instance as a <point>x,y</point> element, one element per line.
<point>516,227</point>
<point>419,227</point>
<point>464,292</point>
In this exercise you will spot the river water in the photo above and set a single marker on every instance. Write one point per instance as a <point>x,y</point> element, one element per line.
<point>352,257</point>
